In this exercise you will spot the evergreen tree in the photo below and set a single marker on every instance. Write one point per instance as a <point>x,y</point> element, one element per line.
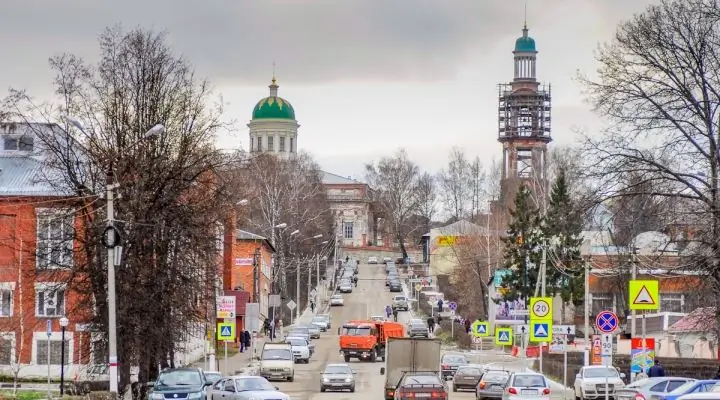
<point>562,229</point>
<point>522,248</point>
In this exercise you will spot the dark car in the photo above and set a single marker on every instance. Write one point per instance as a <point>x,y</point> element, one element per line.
<point>185,383</point>
<point>421,385</point>
<point>450,363</point>
<point>467,377</point>
<point>491,385</point>
<point>395,286</point>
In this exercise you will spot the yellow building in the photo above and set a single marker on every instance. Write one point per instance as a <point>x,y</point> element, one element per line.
<point>444,245</point>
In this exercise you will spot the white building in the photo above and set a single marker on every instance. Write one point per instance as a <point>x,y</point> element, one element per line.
<point>273,127</point>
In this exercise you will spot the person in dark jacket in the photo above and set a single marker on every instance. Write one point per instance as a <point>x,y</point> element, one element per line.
<point>247,337</point>
<point>467,325</point>
<point>656,370</point>
<point>717,374</point>
<point>431,324</point>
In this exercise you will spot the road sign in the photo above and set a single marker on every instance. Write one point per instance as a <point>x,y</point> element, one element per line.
<point>226,331</point>
<point>644,295</point>
<point>503,336</point>
<point>252,317</point>
<point>541,331</point>
<point>49,328</point>
<point>274,300</point>
<point>541,308</point>
<point>606,349</point>
<point>480,329</point>
<point>563,329</point>
<point>606,321</point>
<point>226,307</point>
<point>596,353</point>
<point>476,340</point>
<point>642,360</point>
<point>425,282</point>
<point>313,293</point>
<point>418,287</point>
<point>291,305</point>
<point>452,306</point>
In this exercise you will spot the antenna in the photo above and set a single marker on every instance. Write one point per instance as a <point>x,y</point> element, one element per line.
<point>525,25</point>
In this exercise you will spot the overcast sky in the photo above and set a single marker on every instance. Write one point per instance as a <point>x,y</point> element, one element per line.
<point>365,77</point>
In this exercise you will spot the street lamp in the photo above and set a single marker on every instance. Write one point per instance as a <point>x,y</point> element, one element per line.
<point>111,240</point>
<point>63,324</point>
<point>295,232</point>
<point>317,236</point>
<point>281,226</point>
<point>243,202</point>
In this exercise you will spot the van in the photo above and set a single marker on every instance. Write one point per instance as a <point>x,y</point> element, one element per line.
<point>277,362</point>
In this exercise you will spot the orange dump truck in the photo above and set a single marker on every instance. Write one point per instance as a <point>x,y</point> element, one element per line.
<point>366,340</point>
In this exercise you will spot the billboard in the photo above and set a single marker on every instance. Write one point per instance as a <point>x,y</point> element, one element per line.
<point>506,311</point>
<point>446,241</point>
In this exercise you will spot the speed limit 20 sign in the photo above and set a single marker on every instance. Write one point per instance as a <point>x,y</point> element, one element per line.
<point>541,308</point>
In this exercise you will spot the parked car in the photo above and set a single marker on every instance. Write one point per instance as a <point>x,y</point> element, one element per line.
<point>186,382</point>
<point>320,322</point>
<point>346,287</point>
<point>591,381</point>
<point>337,300</point>
<point>712,394</point>
<point>372,260</point>
<point>245,387</point>
<point>650,386</point>
<point>337,377</point>
<point>327,318</point>
<point>298,335</point>
<point>313,331</point>
<point>527,385</point>
<point>449,363</point>
<point>387,260</point>
<point>212,376</point>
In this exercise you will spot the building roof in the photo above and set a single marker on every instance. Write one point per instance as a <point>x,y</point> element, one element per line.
<point>699,320</point>
<point>273,106</point>
<point>245,235</point>
<point>461,227</point>
<point>25,176</point>
<point>333,179</point>
<point>525,44</point>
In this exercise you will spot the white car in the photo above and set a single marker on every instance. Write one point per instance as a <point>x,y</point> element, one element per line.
<point>527,385</point>
<point>300,349</point>
<point>346,287</point>
<point>372,260</point>
<point>591,381</point>
<point>379,318</point>
<point>337,300</point>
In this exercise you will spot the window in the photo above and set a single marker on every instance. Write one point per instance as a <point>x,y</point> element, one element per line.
<point>6,301</point>
<point>348,230</point>
<point>55,233</point>
<point>259,143</point>
<point>252,143</point>
<point>601,302</point>
<point>292,145</point>
<point>55,351</point>
<point>524,167</point>
<point>6,350</point>
<point>99,350</point>
<point>271,143</point>
<point>282,144</point>
<point>19,143</point>
<point>671,302</point>
<point>50,302</point>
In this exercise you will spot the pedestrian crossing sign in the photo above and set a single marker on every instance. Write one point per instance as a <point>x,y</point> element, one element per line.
<point>480,329</point>
<point>541,331</point>
<point>226,331</point>
<point>504,336</point>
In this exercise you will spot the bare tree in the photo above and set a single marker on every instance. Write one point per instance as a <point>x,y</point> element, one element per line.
<point>170,193</point>
<point>477,256</point>
<point>658,86</point>
<point>427,199</point>
<point>477,187</point>
<point>456,181</point>
<point>395,184</point>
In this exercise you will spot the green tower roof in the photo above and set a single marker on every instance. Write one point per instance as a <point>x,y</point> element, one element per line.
<point>525,44</point>
<point>273,106</point>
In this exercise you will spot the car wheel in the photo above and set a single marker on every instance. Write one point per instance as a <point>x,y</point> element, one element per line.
<point>322,389</point>
<point>347,358</point>
<point>352,389</point>
<point>291,379</point>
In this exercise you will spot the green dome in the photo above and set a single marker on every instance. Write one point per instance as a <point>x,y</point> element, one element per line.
<point>273,107</point>
<point>525,44</point>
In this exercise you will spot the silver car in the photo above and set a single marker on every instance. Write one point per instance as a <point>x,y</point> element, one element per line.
<point>320,322</point>
<point>337,377</point>
<point>527,385</point>
<point>418,328</point>
<point>245,387</point>
<point>313,331</point>
<point>300,335</point>
<point>650,387</point>
<point>491,385</point>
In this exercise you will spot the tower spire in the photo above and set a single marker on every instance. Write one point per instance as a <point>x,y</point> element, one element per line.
<point>273,84</point>
<point>525,28</point>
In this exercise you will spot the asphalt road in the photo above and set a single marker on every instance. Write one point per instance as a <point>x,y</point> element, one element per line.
<point>369,298</point>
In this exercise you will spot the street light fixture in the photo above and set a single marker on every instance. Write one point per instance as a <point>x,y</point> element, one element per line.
<point>295,232</point>
<point>243,202</point>
<point>317,236</point>
<point>63,325</point>
<point>281,226</point>
<point>111,242</point>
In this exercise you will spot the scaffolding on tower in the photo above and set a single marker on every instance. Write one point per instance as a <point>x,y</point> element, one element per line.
<point>524,112</point>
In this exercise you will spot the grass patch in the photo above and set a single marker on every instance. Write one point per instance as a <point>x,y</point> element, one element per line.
<point>23,394</point>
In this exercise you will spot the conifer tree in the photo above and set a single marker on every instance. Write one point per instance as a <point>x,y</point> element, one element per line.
<point>562,229</point>
<point>522,248</point>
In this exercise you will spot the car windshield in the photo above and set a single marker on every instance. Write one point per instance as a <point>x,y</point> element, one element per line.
<point>355,331</point>
<point>495,377</point>
<point>399,298</point>
<point>253,384</point>
<point>337,296</point>
<point>529,381</point>
<point>212,377</point>
<point>179,377</point>
<point>469,371</point>
<point>276,354</point>
<point>320,320</point>
<point>422,380</point>
<point>418,325</point>
<point>337,369</point>
<point>454,360</point>
<point>298,333</point>
<point>601,373</point>
<point>297,342</point>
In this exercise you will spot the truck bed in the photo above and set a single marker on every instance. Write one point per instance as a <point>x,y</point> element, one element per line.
<point>410,355</point>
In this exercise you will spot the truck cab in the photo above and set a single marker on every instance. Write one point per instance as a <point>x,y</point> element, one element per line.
<point>366,340</point>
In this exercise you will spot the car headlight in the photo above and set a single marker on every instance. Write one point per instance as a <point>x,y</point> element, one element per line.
<point>286,369</point>
<point>348,380</point>
<point>195,395</point>
<point>588,386</point>
<point>156,396</point>
<point>326,380</point>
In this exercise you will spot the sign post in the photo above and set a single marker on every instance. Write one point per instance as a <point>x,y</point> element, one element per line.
<point>226,331</point>
<point>644,295</point>
<point>292,305</point>
<point>541,318</point>
<point>49,333</point>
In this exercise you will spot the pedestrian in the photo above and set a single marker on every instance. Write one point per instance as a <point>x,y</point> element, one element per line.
<point>467,325</point>
<point>440,305</point>
<point>266,327</point>
<point>656,370</point>
<point>247,337</point>
<point>312,306</point>
<point>717,373</point>
<point>431,324</point>
<point>272,329</point>
<point>395,313</point>
<point>388,310</point>
<point>241,339</point>
<point>347,259</point>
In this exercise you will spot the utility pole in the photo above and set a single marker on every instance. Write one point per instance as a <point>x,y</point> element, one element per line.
<point>256,276</point>
<point>633,260</point>
<point>112,316</point>
<point>297,291</point>
<point>588,300</point>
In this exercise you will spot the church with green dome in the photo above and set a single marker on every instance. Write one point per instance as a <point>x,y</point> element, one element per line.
<point>273,127</point>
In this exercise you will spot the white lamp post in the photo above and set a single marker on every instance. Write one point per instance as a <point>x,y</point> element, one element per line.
<point>63,325</point>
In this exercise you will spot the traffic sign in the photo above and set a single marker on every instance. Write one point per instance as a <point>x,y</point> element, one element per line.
<point>480,329</point>
<point>313,293</point>
<point>226,307</point>
<point>563,329</point>
<point>644,295</point>
<point>504,336</point>
<point>226,331</point>
<point>418,287</point>
<point>452,306</point>
<point>541,331</point>
<point>606,321</point>
<point>607,349</point>
<point>541,308</point>
<point>291,305</point>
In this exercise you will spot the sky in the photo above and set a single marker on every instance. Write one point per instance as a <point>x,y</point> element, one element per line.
<point>366,77</point>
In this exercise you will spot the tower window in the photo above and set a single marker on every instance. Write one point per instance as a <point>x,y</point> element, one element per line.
<point>271,143</point>
<point>282,144</point>
<point>252,143</point>
<point>259,143</point>
<point>524,163</point>
<point>347,229</point>
<point>292,145</point>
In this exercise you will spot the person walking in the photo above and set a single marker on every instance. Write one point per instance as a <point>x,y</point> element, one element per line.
<point>272,329</point>
<point>656,370</point>
<point>395,314</point>
<point>467,325</point>
<point>431,324</point>
<point>388,311</point>
<point>312,306</point>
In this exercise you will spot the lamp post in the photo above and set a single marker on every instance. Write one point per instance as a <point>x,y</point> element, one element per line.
<point>111,241</point>
<point>309,283</point>
<point>63,325</point>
